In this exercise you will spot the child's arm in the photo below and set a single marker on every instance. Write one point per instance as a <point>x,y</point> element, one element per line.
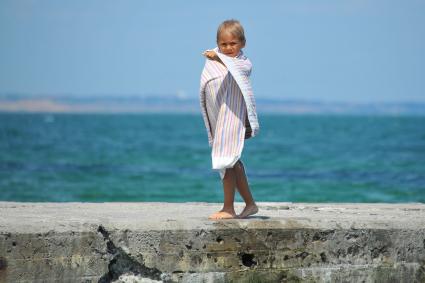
<point>212,56</point>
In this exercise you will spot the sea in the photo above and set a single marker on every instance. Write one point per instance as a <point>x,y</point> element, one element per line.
<point>49,157</point>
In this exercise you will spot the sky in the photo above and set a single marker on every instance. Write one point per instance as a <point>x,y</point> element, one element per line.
<point>342,50</point>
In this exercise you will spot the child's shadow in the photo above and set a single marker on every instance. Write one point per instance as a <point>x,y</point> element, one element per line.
<point>255,217</point>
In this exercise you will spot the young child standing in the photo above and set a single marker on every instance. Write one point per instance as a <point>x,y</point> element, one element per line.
<point>228,109</point>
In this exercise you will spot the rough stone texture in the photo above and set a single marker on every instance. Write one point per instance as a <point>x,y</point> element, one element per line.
<point>175,242</point>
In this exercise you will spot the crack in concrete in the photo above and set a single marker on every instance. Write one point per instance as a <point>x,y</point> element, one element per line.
<point>122,263</point>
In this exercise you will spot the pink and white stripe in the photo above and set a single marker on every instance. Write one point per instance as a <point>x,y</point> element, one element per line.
<point>227,105</point>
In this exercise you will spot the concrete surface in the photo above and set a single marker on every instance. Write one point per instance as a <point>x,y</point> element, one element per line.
<point>175,242</point>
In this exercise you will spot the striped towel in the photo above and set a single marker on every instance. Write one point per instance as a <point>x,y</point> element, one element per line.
<point>228,108</point>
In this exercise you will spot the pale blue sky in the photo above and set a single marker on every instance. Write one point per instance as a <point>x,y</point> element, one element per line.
<point>353,50</point>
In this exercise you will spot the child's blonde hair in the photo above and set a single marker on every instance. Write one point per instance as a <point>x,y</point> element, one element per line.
<point>234,27</point>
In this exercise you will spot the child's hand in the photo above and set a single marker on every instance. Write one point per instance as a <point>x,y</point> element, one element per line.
<point>210,54</point>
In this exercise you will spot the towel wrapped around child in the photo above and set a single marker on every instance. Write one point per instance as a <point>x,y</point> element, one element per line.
<point>228,108</point>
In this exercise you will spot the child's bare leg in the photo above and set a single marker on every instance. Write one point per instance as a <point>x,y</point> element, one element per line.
<point>243,188</point>
<point>229,184</point>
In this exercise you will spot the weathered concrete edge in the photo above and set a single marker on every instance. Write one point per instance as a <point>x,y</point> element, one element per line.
<point>283,237</point>
<point>42,217</point>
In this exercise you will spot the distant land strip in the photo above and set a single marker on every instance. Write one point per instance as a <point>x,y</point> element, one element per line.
<point>178,104</point>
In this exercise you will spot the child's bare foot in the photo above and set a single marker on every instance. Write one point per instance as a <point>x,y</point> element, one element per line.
<point>248,210</point>
<point>222,214</point>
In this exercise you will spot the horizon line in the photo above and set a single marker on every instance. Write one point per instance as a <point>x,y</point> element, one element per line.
<point>23,95</point>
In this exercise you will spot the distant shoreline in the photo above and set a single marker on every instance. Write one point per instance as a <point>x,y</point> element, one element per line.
<point>10,103</point>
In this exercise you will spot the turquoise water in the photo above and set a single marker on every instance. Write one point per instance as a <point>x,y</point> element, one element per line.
<point>165,157</point>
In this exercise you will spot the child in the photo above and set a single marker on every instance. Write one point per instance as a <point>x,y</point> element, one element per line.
<point>228,110</point>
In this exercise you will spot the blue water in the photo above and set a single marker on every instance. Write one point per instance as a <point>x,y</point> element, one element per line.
<point>165,157</point>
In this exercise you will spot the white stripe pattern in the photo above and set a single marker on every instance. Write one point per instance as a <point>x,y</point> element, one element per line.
<point>228,107</point>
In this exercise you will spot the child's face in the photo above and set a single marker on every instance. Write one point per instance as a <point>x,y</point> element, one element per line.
<point>229,44</point>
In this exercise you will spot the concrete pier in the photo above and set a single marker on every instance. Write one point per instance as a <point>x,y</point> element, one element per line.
<point>175,242</point>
